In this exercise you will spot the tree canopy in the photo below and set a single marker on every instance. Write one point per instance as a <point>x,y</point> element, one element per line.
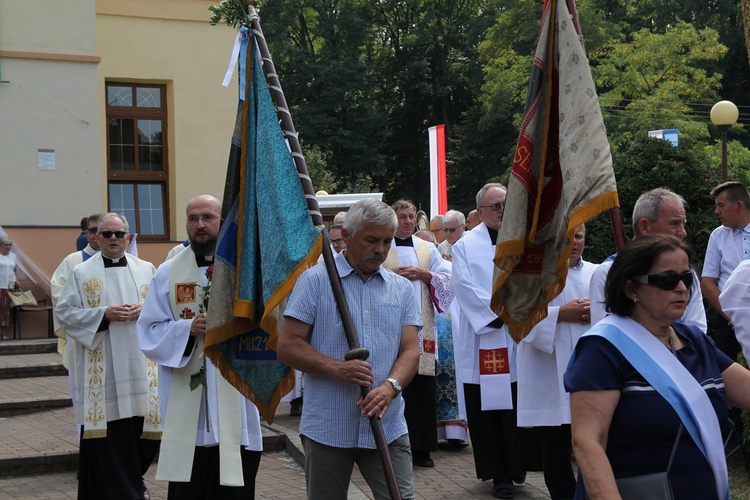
<point>366,78</point>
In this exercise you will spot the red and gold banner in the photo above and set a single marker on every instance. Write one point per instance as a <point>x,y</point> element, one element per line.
<point>561,177</point>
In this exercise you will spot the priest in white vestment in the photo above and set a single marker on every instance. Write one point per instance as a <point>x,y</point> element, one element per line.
<point>489,385</point>
<point>116,389</point>
<point>543,357</point>
<point>421,263</point>
<point>171,331</point>
<point>60,277</point>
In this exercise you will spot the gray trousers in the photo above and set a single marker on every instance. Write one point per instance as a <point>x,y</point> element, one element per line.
<point>328,470</point>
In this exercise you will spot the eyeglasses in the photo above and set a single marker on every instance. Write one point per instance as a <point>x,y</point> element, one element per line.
<point>437,230</point>
<point>337,241</point>
<point>452,229</point>
<point>108,234</point>
<point>208,219</point>
<point>667,280</point>
<point>93,230</point>
<point>495,207</point>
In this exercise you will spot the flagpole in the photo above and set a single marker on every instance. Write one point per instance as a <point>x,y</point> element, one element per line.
<point>614,215</point>
<point>290,133</point>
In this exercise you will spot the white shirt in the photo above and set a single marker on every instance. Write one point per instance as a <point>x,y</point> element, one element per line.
<point>724,252</point>
<point>735,302</point>
<point>8,265</point>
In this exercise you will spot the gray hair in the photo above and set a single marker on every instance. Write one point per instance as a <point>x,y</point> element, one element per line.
<point>95,218</point>
<point>438,218</point>
<point>369,211</point>
<point>110,215</point>
<point>486,188</point>
<point>339,218</point>
<point>648,206</point>
<point>4,240</point>
<point>452,215</point>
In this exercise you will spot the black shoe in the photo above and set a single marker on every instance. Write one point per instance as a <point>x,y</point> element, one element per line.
<point>520,479</point>
<point>422,459</point>
<point>427,462</point>
<point>457,443</point>
<point>502,488</point>
<point>296,409</point>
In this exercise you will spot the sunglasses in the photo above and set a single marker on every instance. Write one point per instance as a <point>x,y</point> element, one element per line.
<point>93,230</point>
<point>452,229</point>
<point>667,280</point>
<point>495,207</point>
<point>108,234</point>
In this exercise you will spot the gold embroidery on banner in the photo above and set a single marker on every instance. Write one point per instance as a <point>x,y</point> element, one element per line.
<point>143,291</point>
<point>95,413</point>
<point>154,416</point>
<point>92,289</point>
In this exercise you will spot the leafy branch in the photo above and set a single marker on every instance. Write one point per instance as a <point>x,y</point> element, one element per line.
<point>231,12</point>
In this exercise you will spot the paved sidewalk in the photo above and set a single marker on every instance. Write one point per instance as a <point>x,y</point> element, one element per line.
<point>280,475</point>
<point>453,476</point>
<point>52,435</point>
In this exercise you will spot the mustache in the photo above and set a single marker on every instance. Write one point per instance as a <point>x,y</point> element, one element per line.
<point>376,256</point>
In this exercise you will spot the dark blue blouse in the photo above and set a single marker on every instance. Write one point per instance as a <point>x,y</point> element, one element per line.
<point>644,425</point>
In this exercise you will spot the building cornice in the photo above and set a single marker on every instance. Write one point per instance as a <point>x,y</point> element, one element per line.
<point>47,56</point>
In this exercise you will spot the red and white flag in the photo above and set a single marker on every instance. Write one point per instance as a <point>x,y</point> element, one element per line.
<point>561,177</point>
<point>438,180</point>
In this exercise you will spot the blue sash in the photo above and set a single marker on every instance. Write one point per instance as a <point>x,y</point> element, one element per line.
<point>675,384</point>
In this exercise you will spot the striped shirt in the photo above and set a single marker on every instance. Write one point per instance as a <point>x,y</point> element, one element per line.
<point>379,307</point>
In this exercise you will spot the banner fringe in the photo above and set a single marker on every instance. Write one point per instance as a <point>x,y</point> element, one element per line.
<point>509,253</point>
<point>266,411</point>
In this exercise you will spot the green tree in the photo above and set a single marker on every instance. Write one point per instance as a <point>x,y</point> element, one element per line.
<point>650,81</point>
<point>426,52</point>
<point>648,163</point>
<point>738,160</point>
<point>322,50</point>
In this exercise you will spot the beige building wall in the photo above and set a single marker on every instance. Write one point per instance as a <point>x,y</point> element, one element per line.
<point>55,57</point>
<point>171,42</point>
<point>48,101</point>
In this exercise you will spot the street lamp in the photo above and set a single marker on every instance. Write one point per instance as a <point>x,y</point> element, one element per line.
<point>724,114</point>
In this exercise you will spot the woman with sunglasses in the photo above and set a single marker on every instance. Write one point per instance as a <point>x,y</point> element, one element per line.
<point>643,384</point>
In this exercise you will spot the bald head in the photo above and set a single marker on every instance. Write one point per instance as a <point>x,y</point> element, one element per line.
<point>203,223</point>
<point>204,199</point>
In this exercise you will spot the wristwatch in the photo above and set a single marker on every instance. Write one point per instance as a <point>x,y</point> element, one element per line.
<point>396,385</point>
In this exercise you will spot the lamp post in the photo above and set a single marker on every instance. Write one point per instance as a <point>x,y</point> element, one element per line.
<point>724,114</point>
